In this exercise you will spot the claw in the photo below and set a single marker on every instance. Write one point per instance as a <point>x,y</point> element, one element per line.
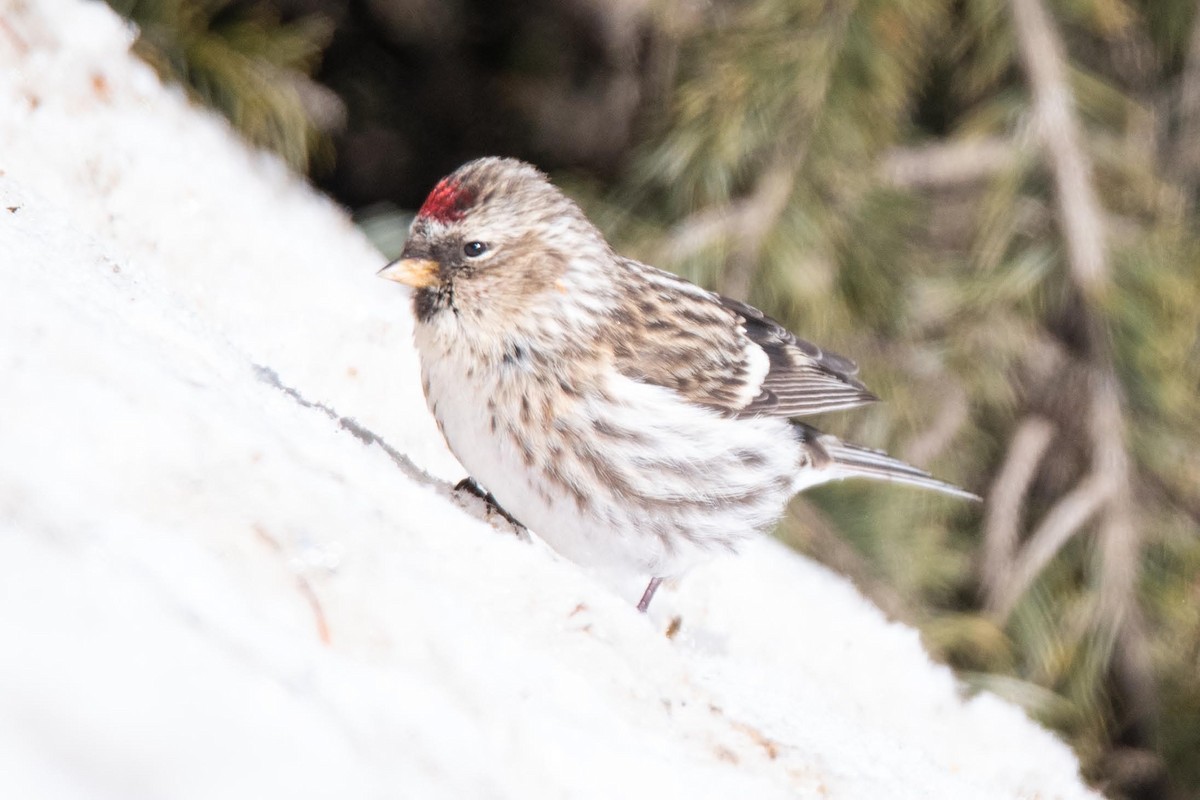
<point>471,486</point>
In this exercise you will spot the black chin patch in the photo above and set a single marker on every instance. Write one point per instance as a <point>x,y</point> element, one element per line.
<point>430,301</point>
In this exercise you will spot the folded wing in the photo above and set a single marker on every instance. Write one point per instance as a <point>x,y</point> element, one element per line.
<point>726,354</point>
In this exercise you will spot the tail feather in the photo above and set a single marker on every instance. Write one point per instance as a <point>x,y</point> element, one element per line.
<point>837,459</point>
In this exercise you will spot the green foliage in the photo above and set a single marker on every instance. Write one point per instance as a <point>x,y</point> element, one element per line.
<point>239,58</point>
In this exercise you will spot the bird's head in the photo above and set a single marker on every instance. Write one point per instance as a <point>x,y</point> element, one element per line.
<point>492,243</point>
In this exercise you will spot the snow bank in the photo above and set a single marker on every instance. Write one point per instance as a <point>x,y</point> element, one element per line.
<point>210,589</point>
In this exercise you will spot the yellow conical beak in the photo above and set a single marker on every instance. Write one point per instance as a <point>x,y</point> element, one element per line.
<point>418,273</point>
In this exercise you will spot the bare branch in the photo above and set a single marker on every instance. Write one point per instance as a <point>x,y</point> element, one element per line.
<point>1003,522</point>
<point>1119,542</point>
<point>1108,487</point>
<point>1063,521</point>
<point>948,164</point>
<point>1059,135</point>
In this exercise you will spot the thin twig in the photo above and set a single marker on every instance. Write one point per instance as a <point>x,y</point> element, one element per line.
<point>270,377</point>
<point>466,500</point>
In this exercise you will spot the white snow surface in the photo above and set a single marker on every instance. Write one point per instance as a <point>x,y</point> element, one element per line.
<point>209,589</point>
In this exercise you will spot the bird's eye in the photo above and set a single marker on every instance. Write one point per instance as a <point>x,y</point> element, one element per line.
<point>474,249</point>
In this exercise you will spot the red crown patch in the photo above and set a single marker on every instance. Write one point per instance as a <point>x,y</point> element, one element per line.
<point>447,202</point>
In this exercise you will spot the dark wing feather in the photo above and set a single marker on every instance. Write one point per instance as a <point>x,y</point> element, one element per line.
<point>847,460</point>
<point>675,334</point>
<point>803,379</point>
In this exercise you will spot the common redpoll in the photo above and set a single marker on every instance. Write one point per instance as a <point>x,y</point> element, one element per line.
<point>630,418</point>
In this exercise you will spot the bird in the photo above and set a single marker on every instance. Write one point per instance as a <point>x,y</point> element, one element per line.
<point>633,420</point>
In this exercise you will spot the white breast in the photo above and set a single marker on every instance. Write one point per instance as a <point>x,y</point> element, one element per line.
<point>643,482</point>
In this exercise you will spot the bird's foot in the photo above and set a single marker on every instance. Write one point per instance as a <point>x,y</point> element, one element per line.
<point>472,487</point>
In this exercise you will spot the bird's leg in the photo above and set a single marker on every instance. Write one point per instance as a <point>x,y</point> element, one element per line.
<point>648,595</point>
<point>471,486</point>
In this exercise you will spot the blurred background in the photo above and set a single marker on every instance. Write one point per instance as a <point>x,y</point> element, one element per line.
<point>991,205</point>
